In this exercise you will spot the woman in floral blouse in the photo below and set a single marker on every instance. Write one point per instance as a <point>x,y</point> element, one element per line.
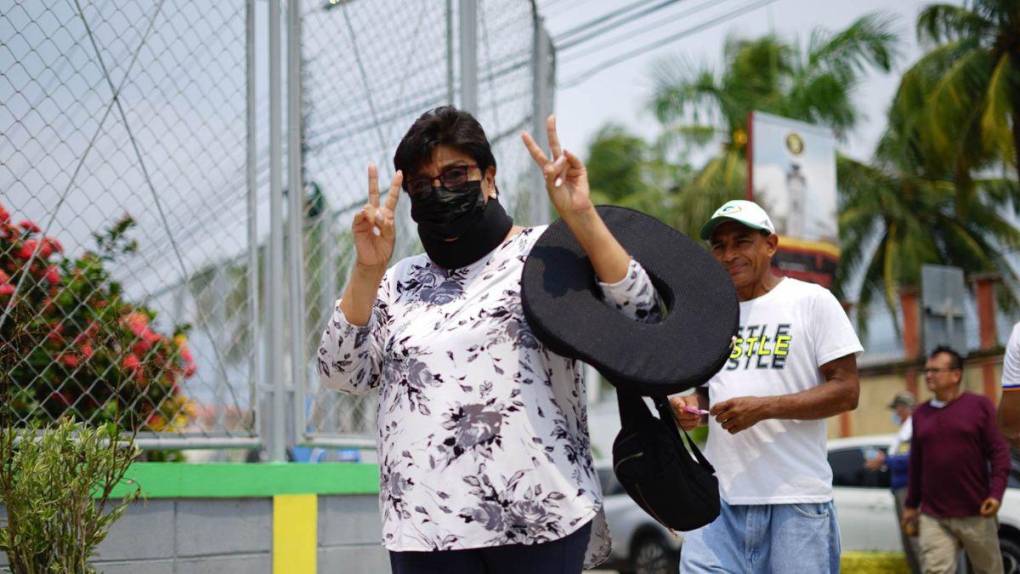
<point>482,432</point>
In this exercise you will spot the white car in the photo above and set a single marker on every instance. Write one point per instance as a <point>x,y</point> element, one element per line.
<point>640,544</point>
<point>866,510</point>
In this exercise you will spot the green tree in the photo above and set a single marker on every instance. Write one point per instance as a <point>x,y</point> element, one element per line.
<point>894,219</point>
<point>815,84</point>
<point>974,104</point>
<point>626,170</point>
<point>931,195</point>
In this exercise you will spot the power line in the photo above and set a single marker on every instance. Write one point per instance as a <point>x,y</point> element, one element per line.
<point>600,20</point>
<point>547,8</point>
<point>615,41</point>
<point>612,26</point>
<point>605,65</point>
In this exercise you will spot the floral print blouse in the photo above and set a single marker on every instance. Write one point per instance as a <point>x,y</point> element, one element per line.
<point>482,431</point>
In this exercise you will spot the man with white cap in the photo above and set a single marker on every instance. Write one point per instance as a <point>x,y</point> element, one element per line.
<point>792,366</point>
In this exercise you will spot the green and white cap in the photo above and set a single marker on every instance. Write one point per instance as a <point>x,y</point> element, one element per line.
<point>744,212</point>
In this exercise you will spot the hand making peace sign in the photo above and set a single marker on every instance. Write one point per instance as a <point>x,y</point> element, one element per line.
<point>566,179</point>
<point>373,226</point>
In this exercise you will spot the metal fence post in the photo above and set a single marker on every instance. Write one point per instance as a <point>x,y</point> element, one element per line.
<point>449,53</point>
<point>469,56</point>
<point>296,209</point>
<point>254,277</point>
<point>277,446</point>
<point>542,94</point>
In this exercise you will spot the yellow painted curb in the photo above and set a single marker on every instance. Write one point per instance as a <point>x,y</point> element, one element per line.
<point>874,563</point>
<point>295,533</point>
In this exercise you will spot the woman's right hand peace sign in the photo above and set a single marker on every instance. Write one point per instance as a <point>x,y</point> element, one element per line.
<point>373,226</point>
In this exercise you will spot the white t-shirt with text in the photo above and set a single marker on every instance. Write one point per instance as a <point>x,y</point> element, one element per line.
<point>784,337</point>
<point>1011,361</point>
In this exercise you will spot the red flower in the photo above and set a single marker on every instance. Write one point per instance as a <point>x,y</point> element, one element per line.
<point>86,350</point>
<point>6,289</point>
<point>30,226</point>
<point>131,362</point>
<point>53,275</point>
<point>54,244</point>
<point>5,217</point>
<point>137,322</point>
<point>61,397</point>
<point>140,348</point>
<point>27,248</point>
<point>69,360</point>
<point>4,277</point>
<point>189,370</point>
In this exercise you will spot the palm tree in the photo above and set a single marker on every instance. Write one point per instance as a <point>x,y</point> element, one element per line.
<point>926,199</point>
<point>892,221</point>
<point>766,74</point>
<point>974,111</point>
<point>626,170</point>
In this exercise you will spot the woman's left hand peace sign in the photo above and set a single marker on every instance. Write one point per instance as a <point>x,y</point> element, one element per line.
<point>566,179</point>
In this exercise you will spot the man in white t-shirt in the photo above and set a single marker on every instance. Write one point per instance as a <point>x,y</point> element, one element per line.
<point>1009,405</point>
<point>792,366</point>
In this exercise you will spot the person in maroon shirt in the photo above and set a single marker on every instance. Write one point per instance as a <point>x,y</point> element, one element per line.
<point>959,462</point>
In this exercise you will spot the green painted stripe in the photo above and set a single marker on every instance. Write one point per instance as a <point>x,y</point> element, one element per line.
<point>225,480</point>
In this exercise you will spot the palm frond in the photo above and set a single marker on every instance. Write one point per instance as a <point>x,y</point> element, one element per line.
<point>941,22</point>
<point>996,136</point>
<point>870,41</point>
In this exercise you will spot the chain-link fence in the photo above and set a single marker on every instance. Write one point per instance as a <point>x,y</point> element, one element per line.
<point>364,85</point>
<point>122,173</point>
<point>142,219</point>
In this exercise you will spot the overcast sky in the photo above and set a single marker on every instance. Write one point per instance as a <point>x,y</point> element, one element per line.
<point>620,93</point>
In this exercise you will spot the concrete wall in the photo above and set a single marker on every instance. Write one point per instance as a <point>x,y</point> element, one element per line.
<point>235,536</point>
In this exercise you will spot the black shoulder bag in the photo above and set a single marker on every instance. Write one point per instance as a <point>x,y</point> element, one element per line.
<point>654,466</point>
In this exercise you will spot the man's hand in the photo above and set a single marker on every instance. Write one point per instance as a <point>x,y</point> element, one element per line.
<point>741,413</point>
<point>990,507</point>
<point>909,520</point>
<point>875,462</point>
<point>682,411</point>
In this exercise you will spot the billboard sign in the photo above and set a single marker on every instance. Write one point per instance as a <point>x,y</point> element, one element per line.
<point>793,177</point>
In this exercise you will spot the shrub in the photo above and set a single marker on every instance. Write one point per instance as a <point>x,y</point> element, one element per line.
<point>55,485</point>
<point>71,345</point>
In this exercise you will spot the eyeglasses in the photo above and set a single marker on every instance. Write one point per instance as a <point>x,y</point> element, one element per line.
<point>452,177</point>
<point>934,370</point>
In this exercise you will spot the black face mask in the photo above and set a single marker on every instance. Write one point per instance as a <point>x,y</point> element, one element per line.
<point>476,226</point>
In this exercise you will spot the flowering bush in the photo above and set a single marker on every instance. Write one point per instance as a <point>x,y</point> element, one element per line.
<point>71,345</point>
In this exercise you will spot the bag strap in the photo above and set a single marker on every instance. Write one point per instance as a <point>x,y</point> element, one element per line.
<point>632,409</point>
<point>666,415</point>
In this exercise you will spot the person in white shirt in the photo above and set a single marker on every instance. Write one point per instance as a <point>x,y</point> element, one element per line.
<point>484,456</point>
<point>897,461</point>
<point>793,364</point>
<point>1009,405</point>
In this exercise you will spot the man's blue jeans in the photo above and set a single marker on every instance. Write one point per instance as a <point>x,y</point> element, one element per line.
<point>781,538</point>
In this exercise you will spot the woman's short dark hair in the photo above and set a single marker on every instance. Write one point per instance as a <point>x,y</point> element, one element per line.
<point>445,125</point>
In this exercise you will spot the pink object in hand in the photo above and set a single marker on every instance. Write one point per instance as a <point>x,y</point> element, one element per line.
<point>694,410</point>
